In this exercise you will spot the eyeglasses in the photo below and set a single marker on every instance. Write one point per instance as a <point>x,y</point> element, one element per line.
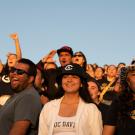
<point>18,71</point>
<point>79,55</point>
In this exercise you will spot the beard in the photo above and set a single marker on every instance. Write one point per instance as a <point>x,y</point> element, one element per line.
<point>17,88</point>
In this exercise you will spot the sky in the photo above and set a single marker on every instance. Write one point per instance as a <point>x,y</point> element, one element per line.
<point>104,30</point>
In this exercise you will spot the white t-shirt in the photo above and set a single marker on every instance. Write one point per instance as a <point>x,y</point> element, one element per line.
<point>64,125</point>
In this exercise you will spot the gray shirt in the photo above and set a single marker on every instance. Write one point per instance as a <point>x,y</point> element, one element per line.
<point>24,105</point>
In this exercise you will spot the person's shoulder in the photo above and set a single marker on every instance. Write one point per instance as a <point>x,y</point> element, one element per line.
<point>91,109</point>
<point>51,105</point>
<point>91,106</point>
<point>30,91</point>
<point>29,94</point>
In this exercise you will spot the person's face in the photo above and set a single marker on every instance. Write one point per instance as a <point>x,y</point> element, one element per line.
<point>12,60</point>
<point>20,78</point>
<point>78,59</point>
<point>71,83</point>
<point>131,80</point>
<point>93,90</point>
<point>112,71</point>
<point>65,58</point>
<point>98,73</point>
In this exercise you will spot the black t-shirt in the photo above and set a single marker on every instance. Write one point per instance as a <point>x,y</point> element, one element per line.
<point>124,125</point>
<point>5,87</point>
<point>105,82</point>
<point>110,94</point>
<point>101,81</point>
<point>104,111</point>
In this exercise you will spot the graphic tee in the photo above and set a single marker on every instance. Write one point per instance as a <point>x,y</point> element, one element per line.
<point>64,126</point>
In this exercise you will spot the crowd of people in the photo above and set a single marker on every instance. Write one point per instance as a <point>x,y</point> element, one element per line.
<point>75,98</point>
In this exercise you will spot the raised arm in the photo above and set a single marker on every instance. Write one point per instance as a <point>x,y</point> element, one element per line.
<point>48,60</point>
<point>49,57</point>
<point>23,127</point>
<point>15,37</point>
<point>1,66</point>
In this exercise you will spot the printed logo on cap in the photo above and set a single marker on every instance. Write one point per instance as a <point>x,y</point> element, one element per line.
<point>69,67</point>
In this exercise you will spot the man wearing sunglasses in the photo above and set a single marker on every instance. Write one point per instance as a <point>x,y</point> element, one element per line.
<point>19,116</point>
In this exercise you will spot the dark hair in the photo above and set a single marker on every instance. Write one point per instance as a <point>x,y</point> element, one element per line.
<point>121,63</point>
<point>85,60</point>
<point>83,92</point>
<point>133,61</point>
<point>32,67</point>
<point>95,65</point>
<point>6,69</point>
<point>95,81</point>
<point>103,70</point>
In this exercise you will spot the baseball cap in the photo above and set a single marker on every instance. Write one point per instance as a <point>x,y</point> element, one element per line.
<point>73,69</point>
<point>65,49</point>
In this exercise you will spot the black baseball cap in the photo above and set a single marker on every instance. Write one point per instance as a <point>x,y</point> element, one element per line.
<point>73,69</point>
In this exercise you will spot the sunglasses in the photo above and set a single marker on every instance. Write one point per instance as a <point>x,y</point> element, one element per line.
<point>79,55</point>
<point>18,71</point>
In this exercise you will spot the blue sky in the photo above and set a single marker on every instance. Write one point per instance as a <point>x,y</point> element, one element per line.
<point>103,29</point>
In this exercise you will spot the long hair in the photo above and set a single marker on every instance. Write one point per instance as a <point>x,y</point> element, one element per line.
<point>85,60</point>
<point>83,92</point>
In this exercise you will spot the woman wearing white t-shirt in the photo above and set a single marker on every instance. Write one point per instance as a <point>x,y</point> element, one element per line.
<point>72,113</point>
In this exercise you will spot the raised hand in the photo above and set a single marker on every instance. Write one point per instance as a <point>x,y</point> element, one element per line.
<point>49,57</point>
<point>14,36</point>
<point>90,70</point>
